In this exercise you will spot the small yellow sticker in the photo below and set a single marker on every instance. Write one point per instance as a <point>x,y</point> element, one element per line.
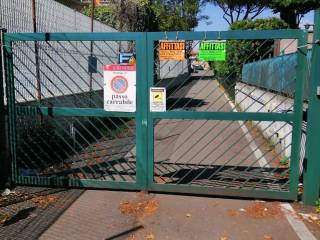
<point>157,97</point>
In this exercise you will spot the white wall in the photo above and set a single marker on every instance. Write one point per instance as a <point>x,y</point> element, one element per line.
<point>253,99</point>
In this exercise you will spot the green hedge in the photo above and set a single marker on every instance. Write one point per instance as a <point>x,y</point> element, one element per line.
<point>240,52</point>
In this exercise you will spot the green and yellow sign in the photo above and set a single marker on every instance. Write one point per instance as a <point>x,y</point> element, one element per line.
<point>212,51</point>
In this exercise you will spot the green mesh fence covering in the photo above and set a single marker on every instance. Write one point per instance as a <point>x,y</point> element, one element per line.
<point>274,74</point>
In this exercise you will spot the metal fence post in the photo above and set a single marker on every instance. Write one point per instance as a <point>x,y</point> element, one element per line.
<point>4,147</point>
<point>312,168</point>
<point>36,49</point>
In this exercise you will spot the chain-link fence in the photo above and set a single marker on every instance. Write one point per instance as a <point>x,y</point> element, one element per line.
<point>16,16</point>
<point>51,16</point>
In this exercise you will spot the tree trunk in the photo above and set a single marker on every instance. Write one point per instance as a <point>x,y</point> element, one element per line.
<point>290,17</point>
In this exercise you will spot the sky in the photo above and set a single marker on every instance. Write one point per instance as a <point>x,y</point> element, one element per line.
<point>219,24</point>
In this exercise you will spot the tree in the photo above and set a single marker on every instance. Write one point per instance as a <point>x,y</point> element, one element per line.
<point>124,15</point>
<point>237,10</point>
<point>292,11</point>
<point>178,15</point>
<point>240,52</point>
<point>101,13</point>
<point>133,15</point>
<point>149,15</point>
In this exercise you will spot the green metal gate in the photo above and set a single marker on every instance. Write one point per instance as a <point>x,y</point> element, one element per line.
<point>220,139</point>
<point>209,141</point>
<point>59,133</point>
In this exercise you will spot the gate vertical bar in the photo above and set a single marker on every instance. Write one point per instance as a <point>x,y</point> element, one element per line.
<point>4,154</point>
<point>312,168</point>
<point>150,82</point>
<point>11,106</point>
<point>91,49</point>
<point>142,112</point>
<point>298,112</point>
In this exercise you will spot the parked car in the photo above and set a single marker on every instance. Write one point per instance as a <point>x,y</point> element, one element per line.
<point>197,65</point>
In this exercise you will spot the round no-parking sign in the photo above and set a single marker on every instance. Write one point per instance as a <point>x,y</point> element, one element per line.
<point>120,88</point>
<point>119,84</point>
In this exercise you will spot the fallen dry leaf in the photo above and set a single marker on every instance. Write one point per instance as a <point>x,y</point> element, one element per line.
<point>267,237</point>
<point>131,237</point>
<point>223,238</point>
<point>14,197</point>
<point>310,217</point>
<point>139,207</point>
<point>44,201</point>
<point>4,217</point>
<point>264,210</point>
<point>150,236</point>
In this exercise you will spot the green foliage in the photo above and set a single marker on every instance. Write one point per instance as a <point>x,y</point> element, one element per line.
<point>237,10</point>
<point>236,3</point>
<point>301,6</point>
<point>220,68</point>
<point>240,52</point>
<point>284,161</point>
<point>127,15</point>
<point>259,24</point>
<point>291,11</point>
<point>317,206</point>
<point>177,15</point>
<point>102,13</point>
<point>147,15</point>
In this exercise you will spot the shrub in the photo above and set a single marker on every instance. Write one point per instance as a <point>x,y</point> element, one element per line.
<point>241,51</point>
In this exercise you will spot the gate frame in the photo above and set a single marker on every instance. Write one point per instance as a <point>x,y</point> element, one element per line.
<point>139,115</point>
<point>145,119</point>
<point>311,178</point>
<point>4,145</point>
<point>295,117</point>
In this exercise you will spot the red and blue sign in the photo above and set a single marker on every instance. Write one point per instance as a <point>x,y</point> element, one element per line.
<point>119,84</point>
<point>119,93</point>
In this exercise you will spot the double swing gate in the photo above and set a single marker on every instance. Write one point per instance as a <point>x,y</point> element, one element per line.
<point>221,134</point>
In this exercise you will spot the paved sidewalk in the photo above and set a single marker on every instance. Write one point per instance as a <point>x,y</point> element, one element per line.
<point>29,211</point>
<point>97,215</point>
<point>206,141</point>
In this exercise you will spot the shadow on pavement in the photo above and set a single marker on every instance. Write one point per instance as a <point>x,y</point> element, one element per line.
<point>124,233</point>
